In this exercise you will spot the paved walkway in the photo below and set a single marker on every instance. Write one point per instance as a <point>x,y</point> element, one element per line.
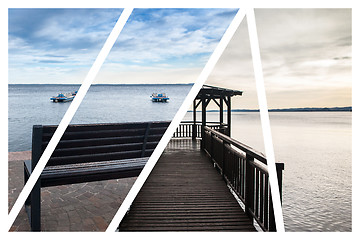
<point>76,207</point>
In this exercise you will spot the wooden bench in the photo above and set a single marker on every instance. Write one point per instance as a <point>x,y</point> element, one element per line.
<point>89,152</point>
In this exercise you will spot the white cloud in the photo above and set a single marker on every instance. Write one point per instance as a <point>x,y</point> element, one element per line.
<point>71,39</point>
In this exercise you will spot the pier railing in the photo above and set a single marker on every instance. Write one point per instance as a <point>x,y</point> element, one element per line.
<point>245,171</point>
<point>189,129</point>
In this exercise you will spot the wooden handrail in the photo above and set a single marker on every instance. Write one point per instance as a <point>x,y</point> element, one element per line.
<point>242,167</point>
<point>246,173</point>
<point>248,150</point>
<point>187,129</point>
<point>199,122</point>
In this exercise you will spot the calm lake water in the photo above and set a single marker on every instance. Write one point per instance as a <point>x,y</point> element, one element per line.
<point>316,150</point>
<point>30,105</point>
<point>315,146</point>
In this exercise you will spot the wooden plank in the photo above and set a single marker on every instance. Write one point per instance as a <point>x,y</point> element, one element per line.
<point>103,126</point>
<point>94,157</point>
<point>50,129</point>
<point>102,141</point>
<point>97,149</point>
<point>98,134</point>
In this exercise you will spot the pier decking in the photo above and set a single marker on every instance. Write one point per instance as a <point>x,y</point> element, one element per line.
<point>184,192</point>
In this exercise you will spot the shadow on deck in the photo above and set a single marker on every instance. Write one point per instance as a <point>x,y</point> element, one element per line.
<point>184,192</point>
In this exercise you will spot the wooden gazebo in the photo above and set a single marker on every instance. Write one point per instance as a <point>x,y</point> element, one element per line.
<point>219,96</point>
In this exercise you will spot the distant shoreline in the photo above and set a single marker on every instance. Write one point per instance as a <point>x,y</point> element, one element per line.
<point>307,109</point>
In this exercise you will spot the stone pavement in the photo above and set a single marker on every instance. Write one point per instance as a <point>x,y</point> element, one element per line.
<point>75,207</point>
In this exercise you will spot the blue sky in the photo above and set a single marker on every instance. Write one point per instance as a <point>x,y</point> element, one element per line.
<point>60,45</point>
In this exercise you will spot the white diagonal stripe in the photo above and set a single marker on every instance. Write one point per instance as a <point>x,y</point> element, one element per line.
<point>265,122</point>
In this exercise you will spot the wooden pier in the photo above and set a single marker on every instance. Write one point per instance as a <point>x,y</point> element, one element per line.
<point>205,180</point>
<point>184,192</point>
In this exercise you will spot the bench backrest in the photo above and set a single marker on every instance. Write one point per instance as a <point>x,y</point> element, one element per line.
<point>98,142</point>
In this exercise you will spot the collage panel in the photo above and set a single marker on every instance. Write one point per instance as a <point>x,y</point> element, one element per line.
<point>307,64</point>
<point>47,63</point>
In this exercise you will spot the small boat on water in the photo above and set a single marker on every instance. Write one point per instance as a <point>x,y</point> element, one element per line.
<point>159,97</point>
<point>64,97</point>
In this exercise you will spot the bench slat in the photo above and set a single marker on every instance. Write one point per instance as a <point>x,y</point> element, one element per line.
<point>105,133</point>
<point>86,172</point>
<point>97,149</point>
<point>94,164</point>
<point>84,168</point>
<point>97,134</point>
<point>104,126</point>
<point>93,157</point>
<point>103,141</point>
<point>102,149</point>
<point>97,170</point>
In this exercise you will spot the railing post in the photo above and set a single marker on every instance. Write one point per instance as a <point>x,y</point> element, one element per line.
<point>223,159</point>
<point>249,186</point>
<point>272,224</point>
<point>194,133</point>
<point>212,145</point>
<point>203,122</point>
<point>279,169</point>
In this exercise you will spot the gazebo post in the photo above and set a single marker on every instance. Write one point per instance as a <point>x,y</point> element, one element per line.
<point>229,116</point>
<point>203,120</point>
<point>194,130</point>
<point>221,111</point>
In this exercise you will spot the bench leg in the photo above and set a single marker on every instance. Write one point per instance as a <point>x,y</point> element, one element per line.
<point>26,178</point>
<point>35,215</point>
<point>33,203</point>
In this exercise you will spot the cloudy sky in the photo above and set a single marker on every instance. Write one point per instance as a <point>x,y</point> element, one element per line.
<point>306,53</point>
<point>306,59</point>
<point>155,46</point>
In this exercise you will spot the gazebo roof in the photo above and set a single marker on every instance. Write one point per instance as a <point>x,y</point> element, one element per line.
<point>208,91</point>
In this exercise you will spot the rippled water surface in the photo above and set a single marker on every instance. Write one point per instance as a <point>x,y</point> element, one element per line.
<point>316,150</point>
